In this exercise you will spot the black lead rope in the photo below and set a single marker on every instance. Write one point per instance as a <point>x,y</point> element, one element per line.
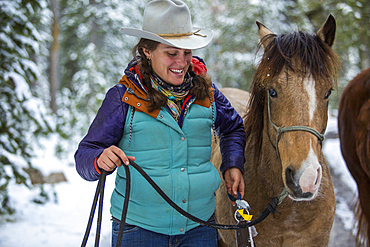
<point>99,191</point>
<point>125,203</point>
<point>100,211</point>
<point>271,207</point>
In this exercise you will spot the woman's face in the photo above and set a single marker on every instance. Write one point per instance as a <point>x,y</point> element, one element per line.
<point>169,63</point>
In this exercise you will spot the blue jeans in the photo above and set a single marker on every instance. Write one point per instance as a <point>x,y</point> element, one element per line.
<point>135,236</point>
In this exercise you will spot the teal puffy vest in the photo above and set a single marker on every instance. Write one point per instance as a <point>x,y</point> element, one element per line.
<point>178,160</point>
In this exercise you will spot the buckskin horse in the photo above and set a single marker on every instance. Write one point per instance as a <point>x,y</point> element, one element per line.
<point>284,125</point>
<point>354,135</point>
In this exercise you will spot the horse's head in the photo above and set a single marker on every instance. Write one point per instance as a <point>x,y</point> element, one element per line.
<point>293,83</point>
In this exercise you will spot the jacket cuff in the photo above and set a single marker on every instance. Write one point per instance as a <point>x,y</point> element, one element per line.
<point>97,169</point>
<point>229,162</point>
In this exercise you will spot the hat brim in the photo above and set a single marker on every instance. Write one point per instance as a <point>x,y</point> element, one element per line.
<point>191,42</point>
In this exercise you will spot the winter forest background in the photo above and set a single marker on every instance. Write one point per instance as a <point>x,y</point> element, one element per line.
<point>59,57</point>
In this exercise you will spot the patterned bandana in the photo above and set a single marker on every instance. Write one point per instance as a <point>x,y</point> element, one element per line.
<point>175,94</point>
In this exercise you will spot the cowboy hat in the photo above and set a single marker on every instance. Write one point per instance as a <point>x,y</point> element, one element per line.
<point>169,22</point>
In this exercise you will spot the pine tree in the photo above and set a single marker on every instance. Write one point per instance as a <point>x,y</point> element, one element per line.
<point>231,57</point>
<point>22,116</point>
<point>94,56</point>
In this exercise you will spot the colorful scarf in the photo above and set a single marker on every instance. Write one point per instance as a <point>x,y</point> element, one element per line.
<point>175,94</point>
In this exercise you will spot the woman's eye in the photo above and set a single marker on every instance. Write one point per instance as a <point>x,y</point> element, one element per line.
<point>171,54</point>
<point>272,93</point>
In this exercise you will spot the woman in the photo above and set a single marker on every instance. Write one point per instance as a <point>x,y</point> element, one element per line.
<point>161,115</point>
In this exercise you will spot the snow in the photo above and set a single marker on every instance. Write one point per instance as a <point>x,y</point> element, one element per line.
<point>30,65</point>
<point>332,153</point>
<point>4,38</point>
<point>28,41</point>
<point>62,221</point>
<point>22,88</point>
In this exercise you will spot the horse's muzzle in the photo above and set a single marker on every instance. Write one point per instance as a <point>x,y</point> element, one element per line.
<point>303,186</point>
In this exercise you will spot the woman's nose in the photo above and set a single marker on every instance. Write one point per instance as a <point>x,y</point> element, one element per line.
<point>182,59</point>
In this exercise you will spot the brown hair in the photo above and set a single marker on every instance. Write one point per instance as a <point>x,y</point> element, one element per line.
<point>201,84</point>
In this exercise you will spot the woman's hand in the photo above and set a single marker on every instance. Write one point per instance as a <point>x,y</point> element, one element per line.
<point>234,182</point>
<point>110,158</point>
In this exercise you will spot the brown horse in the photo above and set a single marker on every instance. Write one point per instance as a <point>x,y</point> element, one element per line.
<point>354,135</point>
<point>290,88</point>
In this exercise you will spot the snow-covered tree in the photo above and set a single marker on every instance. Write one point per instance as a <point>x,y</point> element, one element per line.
<point>93,57</point>
<point>23,117</point>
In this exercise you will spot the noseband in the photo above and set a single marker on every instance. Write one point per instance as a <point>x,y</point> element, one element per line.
<point>281,130</point>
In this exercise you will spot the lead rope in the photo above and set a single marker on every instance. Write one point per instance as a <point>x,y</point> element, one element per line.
<point>270,208</point>
<point>99,191</point>
<point>125,204</point>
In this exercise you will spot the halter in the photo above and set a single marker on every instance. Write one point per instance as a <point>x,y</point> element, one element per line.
<point>281,130</point>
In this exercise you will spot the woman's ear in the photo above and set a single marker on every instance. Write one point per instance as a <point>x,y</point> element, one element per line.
<point>146,52</point>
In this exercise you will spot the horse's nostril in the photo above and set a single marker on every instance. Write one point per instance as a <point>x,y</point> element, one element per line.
<point>289,175</point>
<point>318,177</point>
<point>292,183</point>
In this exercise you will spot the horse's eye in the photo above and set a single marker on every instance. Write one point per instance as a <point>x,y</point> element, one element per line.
<point>272,93</point>
<point>328,94</point>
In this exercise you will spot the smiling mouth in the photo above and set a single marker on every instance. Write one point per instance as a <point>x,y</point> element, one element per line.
<point>177,71</point>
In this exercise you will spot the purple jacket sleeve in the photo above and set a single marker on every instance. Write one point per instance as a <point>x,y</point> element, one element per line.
<point>230,128</point>
<point>105,130</point>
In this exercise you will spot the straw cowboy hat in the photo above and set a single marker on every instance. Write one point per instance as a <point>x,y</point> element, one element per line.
<point>169,22</point>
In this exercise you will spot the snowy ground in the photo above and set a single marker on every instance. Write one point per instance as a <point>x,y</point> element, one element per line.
<point>62,222</point>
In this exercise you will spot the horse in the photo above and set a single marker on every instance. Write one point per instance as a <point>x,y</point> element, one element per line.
<point>285,118</point>
<point>354,136</point>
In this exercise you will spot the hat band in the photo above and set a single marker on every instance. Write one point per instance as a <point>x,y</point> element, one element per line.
<point>181,34</point>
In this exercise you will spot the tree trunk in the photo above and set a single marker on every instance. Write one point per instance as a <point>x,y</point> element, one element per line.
<point>94,28</point>
<point>54,56</point>
<point>364,57</point>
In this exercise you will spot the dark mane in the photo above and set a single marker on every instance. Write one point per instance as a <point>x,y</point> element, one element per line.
<point>299,52</point>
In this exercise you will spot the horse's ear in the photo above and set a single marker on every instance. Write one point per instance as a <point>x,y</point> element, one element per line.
<point>327,31</point>
<point>262,32</point>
